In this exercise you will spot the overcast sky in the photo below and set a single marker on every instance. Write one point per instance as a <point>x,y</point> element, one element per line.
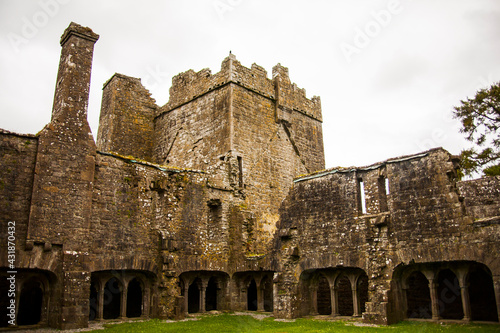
<point>388,72</point>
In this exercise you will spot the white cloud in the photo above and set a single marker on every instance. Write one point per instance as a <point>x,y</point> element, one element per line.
<point>395,97</point>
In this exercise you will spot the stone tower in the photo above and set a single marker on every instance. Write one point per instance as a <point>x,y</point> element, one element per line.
<point>251,133</point>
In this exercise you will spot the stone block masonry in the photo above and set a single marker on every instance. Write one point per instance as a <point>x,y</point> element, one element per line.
<point>218,200</point>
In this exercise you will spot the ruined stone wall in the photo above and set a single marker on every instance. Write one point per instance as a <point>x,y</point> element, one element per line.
<point>126,121</point>
<point>419,219</point>
<point>17,168</point>
<point>194,135</point>
<point>482,198</point>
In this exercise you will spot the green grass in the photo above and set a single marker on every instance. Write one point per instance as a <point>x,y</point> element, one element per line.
<point>243,323</point>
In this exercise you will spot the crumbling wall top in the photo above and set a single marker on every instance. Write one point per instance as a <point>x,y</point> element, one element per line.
<point>189,85</point>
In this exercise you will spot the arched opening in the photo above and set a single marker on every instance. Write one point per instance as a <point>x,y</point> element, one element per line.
<point>134,299</point>
<point>194,296</point>
<point>267,290</point>
<point>93,301</point>
<point>112,299</point>
<point>344,293</point>
<point>252,296</point>
<point>324,297</point>
<point>362,292</point>
<point>450,299</point>
<point>482,296</point>
<point>211,295</point>
<point>30,303</point>
<point>418,296</point>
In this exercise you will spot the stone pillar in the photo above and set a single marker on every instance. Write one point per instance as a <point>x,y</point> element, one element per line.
<point>145,302</point>
<point>203,289</point>
<point>404,301</point>
<point>100,301</point>
<point>123,304</point>
<point>464,290</point>
<point>496,284</point>
<point>434,299</point>
<point>432,278</point>
<point>260,298</point>
<point>335,301</point>
<point>355,303</point>
<point>186,304</point>
<point>314,300</point>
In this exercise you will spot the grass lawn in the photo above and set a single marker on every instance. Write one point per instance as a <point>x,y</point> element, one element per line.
<point>246,323</point>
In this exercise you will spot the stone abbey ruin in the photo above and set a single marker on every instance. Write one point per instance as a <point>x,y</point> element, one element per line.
<point>214,201</point>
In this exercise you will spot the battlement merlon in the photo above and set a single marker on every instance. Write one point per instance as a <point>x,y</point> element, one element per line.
<point>189,85</point>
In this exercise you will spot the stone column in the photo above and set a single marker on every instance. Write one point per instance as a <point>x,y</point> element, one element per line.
<point>355,302</point>
<point>260,298</point>
<point>432,278</point>
<point>496,284</point>
<point>203,289</point>
<point>186,298</point>
<point>335,301</point>
<point>404,301</point>
<point>464,290</point>
<point>123,304</point>
<point>314,300</point>
<point>145,302</point>
<point>100,301</point>
<point>434,299</point>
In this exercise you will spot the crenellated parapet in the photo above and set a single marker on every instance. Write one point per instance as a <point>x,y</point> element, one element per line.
<point>190,85</point>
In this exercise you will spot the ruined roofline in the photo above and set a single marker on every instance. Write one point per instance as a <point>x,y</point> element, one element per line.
<point>373,166</point>
<point>20,135</point>
<point>189,85</point>
<point>134,160</point>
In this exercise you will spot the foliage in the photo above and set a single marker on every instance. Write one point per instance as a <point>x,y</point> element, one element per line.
<point>241,323</point>
<point>480,118</point>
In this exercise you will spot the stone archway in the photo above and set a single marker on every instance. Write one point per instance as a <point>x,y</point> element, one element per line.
<point>252,296</point>
<point>194,296</point>
<point>418,296</point>
<point>211,294</point>
<point>482,295</point>
<point>94,301</point>
<point>134,298</point>
<point>324,296</point>
<point>30,303</point>
<point>112,299</point>
<point>344,294</point>
<point>450,299</point>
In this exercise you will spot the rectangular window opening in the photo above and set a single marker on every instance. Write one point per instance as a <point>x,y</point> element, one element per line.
<point>240,168</point>
<point>382,193</point>
<point>362,198</point>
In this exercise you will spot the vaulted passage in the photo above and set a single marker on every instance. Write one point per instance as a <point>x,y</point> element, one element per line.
<point>134,299</point>
<point>120,294</point>
<point>93,301</point>
<point>344,292</point>
<point>334,291</point>
<point>203,291</point>
<point>324,297</point>
<point>482,296</point>
<point>30,303</point>
<point>457,290</point>
<point>450,300</point>
<point>211,295</point>
<point>194,297</point>
<point>418,296</point>
<point>112,299</point>
<point>252,296</point>
<point>267,290</point>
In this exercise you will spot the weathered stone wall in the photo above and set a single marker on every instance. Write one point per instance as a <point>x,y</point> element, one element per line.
<point>482,198</point>
<point>419,219</point>
<point>17,168</point>
<point>126,121</point>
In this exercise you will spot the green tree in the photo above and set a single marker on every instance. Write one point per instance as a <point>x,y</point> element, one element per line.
<point>480,118</point>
